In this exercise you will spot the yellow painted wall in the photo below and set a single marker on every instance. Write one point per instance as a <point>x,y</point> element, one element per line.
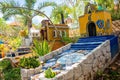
<point>51,29</point>
<point>95,16</point>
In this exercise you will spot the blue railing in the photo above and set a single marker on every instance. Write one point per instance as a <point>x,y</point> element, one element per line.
<point>114,48</point>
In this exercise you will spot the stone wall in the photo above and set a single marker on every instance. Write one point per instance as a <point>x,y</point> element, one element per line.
<point>27,73</point>
<point>86,68</point>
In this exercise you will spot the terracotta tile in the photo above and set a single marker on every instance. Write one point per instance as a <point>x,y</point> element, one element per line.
<point>116,26</point>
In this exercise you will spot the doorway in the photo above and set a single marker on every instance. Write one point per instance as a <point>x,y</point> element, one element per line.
<point>91,29</point>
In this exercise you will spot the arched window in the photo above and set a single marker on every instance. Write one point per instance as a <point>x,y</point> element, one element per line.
<point>54,33</point>
<point>64,33</point>
<point>60,32</point>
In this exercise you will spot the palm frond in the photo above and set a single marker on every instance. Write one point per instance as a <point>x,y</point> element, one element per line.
<point>46,4</point>
<point>30,3</point>
<point>10,13</point>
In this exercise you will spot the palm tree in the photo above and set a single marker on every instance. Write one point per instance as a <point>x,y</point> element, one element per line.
<point>3,26</point>
<point>26,10</point>
<point>60,12</point>
<point>7,7</point>
<point>76,7</point>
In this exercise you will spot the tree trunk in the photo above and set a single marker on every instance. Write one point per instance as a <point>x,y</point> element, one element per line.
<point>62,18</point>
<point>29,25</point>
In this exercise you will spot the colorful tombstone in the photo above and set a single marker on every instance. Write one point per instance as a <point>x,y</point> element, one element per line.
<point>95,23</point>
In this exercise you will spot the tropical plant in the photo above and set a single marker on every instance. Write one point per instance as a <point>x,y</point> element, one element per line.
<point>28,63</point>
<point>66,39</point>
<point>76,7</point>
<point>106,4</point>
<point>5,65</point>
<point>15,42</point>
<point>8,72</point>
<point>115,15</point>
<point>12,7</point>
<point>41,48</point>
<point>72,8</point>
<point>13,74</point>
<point>59,11</point>
<point>49,73</point>
<point>109,5</point>
<point>3,27</point>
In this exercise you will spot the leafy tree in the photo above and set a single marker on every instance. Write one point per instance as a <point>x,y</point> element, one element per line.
<point>7,7</point>
<point>12,7</point>
<point>3,26</point>
<point>76,6</point>
<point>115,14</point>
<point>106,4</point>
<point>109,5</point>
<point>58,11</point>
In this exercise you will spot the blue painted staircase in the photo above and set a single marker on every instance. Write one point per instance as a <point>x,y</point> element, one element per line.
<point>89,43</point>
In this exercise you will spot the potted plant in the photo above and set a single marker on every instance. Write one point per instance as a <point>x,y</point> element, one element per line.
<point>49,73</point>
<point>29,66</point>
<point>66,40</point>
<point>41,48</point>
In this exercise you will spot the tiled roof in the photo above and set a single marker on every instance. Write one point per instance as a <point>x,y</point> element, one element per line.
<point>116,26</point>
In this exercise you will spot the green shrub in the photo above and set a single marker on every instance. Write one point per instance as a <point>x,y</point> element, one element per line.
<point>5,65</point>
<point>67,39</point>
<point>41,48</point>
<point>30,62</point>
<point>49,73</point>
<point>8,72</point>
<point>115,15</point>
<point>13,74</point>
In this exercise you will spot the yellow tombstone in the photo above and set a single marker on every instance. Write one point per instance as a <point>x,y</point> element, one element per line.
<point>95,23</point>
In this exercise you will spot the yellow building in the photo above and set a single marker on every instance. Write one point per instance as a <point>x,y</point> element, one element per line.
<point>95,23</point>
<point>49,32</point>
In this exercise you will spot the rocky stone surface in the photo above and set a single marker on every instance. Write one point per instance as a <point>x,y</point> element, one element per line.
<point>27,73</point>
<point>86,68</point>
